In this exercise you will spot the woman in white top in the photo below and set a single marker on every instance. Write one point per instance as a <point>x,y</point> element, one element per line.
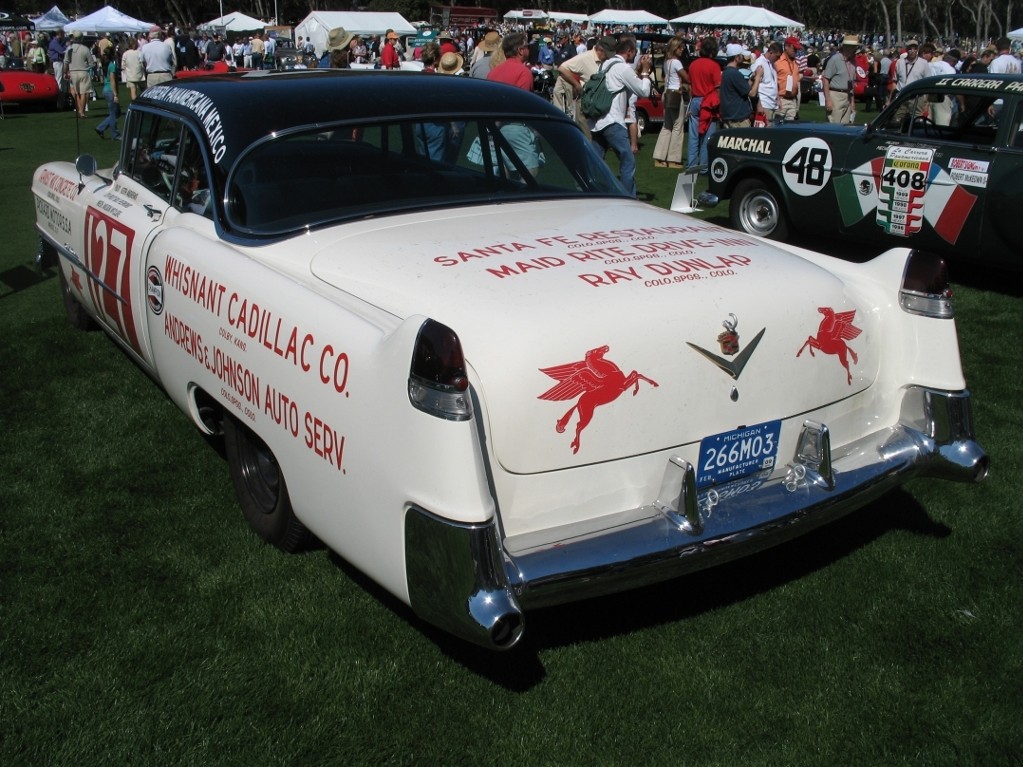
<point>132,70</point>
<point>671,139</point>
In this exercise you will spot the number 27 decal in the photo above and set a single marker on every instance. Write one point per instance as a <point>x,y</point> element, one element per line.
<point>108,252</point>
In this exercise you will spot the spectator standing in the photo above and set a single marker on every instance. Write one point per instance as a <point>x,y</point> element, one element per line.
<point>513,71</point>
<point>134,73</point>
<point>389,54</point>
<point>484,55</point>
<point>704,79</point>
<point>941,111</point>
<point>572,76</point>
<point>611,131</point>
<point>269,52</point>
<point>788,77</point>
<point>768,90</point>
<point>670,141</point>
<point>909,68</point>
<point>78,62</point>
<point>258,51</point>
<point>56,50</point>
<point>838,79</point>
<point>736,89</point>
<point>1005,63</point>
<point>217,51</point>
<point>338,48</point>
<point>158,59</point>
<point>110,88</point>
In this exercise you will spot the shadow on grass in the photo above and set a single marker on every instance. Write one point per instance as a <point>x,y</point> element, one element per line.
<point>592,620</point>
<point>729,583</point>
<point>22,277</point>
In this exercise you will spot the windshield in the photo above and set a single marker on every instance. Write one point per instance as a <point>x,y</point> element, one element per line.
<point>320,176</point>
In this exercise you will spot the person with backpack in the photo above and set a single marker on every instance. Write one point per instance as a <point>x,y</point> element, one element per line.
<point>616,79</point>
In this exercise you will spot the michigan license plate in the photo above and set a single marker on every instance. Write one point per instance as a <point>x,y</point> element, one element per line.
<point>736,453</point>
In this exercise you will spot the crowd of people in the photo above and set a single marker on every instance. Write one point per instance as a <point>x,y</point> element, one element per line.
<point>708,79</point>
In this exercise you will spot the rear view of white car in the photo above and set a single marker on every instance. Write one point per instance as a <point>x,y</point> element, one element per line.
<point>445,343</point>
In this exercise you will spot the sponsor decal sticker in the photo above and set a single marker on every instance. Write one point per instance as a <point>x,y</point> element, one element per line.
<point>835,329</point>
<point>595,381</point>
<point>740,144</point>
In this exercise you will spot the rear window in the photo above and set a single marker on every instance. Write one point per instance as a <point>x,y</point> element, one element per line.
<point>322,176</point>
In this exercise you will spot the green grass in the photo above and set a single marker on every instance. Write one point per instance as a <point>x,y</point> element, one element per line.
<point>141,622</point>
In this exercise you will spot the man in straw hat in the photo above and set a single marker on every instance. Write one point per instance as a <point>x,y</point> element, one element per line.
<point>451,64</point>
<point>338,42</point>
<point>837,80</point>
<point>487,46</point>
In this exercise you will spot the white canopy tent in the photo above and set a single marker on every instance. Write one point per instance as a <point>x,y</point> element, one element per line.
<point>632,18</point>
<point>317,25</point>
<point>1017,34</point>
<point>233,22</point>
<point>737,16</point>
<point>107,19</point>
<point>575,18</point>
<point>51,21</point>
<point>526,14</point>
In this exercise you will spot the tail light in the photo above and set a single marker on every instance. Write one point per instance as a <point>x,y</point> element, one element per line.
<point>437,382</point>
<point>925,289</point>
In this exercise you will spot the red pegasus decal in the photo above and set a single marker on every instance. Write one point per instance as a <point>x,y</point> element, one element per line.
<point>835,329</point>
<point>596,379</point>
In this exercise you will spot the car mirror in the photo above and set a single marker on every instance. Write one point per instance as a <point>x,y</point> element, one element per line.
<point>86,165</point>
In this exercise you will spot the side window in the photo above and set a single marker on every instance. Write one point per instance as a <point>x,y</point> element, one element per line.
<point>152,155</point>
<point>192,193</point>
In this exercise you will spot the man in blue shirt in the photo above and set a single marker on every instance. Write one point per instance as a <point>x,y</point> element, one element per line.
<point>55,50</point>
<point>736,90</point>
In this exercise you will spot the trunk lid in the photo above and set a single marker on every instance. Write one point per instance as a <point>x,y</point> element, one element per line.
<point>579,319</point>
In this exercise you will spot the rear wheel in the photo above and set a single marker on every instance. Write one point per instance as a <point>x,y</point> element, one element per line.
<point>261,490</point>
<point>756,208</point>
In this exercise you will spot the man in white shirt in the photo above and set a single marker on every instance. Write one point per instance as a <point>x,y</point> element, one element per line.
<point>941,111</point>
<point>610,131</point>
<point>1005,63</point>
<point>768,90</point>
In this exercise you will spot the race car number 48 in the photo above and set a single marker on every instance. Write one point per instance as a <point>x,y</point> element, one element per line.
<point>737,453</point>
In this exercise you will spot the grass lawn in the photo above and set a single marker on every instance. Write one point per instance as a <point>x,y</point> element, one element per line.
<point>141,622</point>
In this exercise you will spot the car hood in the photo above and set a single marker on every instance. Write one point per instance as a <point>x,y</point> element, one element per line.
<point>606,320</point>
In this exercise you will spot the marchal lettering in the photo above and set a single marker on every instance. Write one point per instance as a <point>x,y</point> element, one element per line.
<point>739,144</point>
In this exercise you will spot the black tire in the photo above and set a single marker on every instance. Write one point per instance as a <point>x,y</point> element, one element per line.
<point>77,317</point>
<point>756,208</point>
<point>261,490</point>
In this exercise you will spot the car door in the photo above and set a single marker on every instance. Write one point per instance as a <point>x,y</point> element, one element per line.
<point>911,182</point>
<point>149,193</point>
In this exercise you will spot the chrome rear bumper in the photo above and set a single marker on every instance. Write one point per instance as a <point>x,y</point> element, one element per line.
<point>461,579</point>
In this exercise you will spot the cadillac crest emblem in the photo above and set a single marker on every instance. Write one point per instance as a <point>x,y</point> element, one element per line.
<point>729,339</point>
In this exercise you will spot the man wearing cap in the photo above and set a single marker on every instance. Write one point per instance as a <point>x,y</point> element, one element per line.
<point>78,63</point>
<point>837,80</point>
<point>388,54</point>
<point>610,131</point>
<point>158,60</point>
<point>789,76</point>
<point>736,91</point>
<point>910,67</point>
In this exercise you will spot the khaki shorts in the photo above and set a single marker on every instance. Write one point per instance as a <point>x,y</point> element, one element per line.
<point>81,82</point>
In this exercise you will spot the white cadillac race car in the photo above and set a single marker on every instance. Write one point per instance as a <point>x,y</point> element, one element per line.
<point>437,336</point>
